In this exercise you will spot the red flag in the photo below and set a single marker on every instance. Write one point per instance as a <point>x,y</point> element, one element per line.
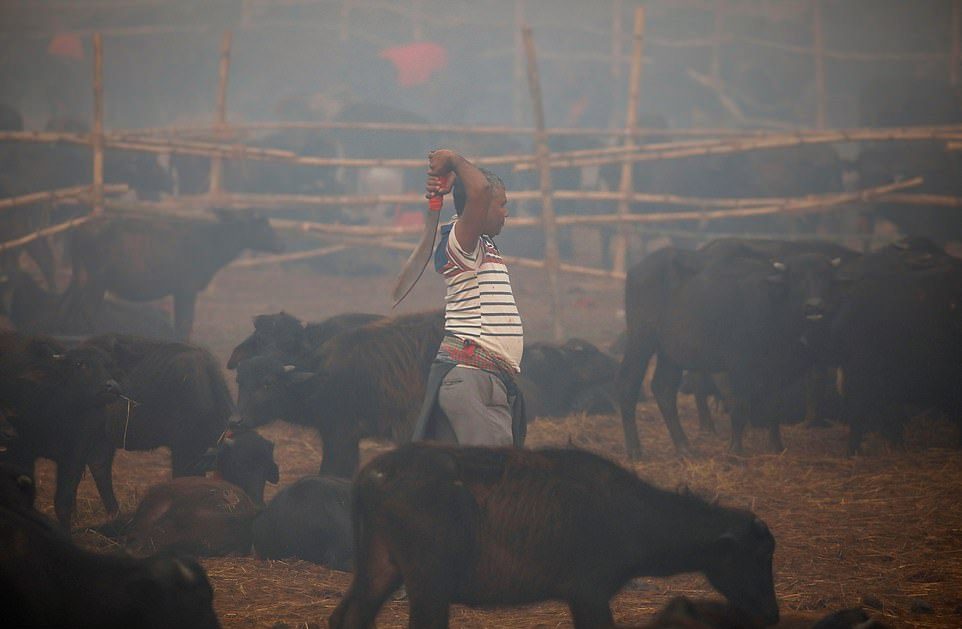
<point>417,62</point>
<point>66,45</point>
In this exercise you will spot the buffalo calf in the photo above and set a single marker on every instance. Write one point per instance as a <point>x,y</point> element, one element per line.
<point>311,520</point>
<point>201,516</point>
<point>486,526</point>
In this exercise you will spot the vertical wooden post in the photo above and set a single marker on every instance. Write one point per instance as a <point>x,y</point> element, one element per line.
<point>616,11</point>
<point>552,258</point>
<point>417,29</point>
<point>716,50</point>
<point>97,135</point>
<point>346,19</point>
<point>619,244</point>
<point>518,83</point>
<point>616,62</point>
<point>220,120</point>
<point>819,54</point>
<point>955,54</point>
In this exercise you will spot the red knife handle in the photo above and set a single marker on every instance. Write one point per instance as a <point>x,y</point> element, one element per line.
<point>436,202</point>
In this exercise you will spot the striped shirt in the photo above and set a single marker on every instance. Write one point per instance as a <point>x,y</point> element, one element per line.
<point>479,304</point>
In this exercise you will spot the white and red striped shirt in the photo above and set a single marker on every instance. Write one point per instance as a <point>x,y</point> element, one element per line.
<point>479,304</point>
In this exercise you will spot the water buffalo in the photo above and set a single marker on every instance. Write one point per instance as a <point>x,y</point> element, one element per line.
<point>572,377</point>
<point>499,526</point>
<point>174,395</point>
<point>51,397</point>
<point>201,516</point>
<point>142,259</point>
<point>368,383</point>
<point>897,338</point>
<point>761,322</point>
<point>49,582</point>
<point>310,519</point>
<point>291,341</point>
<point>37,311</point>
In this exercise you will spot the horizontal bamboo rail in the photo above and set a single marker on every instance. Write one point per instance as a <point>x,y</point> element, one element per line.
<point>55,196</point>
<point>43,233</point>
<point>287,257</point>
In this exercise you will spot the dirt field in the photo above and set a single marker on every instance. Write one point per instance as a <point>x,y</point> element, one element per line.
<point>883,530</point>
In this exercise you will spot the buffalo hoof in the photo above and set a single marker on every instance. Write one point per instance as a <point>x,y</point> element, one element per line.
<point>634,454</point>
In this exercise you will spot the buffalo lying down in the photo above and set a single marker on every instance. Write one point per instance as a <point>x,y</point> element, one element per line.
<point>483,526</point>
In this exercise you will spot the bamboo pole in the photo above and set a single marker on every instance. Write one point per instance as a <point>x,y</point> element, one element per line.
<point>551,253</point>
<point>819,59</point>
<point>716,49</point>
<point>619,244</point>
<point>97,134</point>
<point>55,196</point>
<point>518,78</point>
<point>288,257</point>
<point>220,117</point>
<point>955,51</point>
<point>43,233</point>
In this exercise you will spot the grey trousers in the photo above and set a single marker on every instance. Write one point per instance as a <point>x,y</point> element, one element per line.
<point>477,408</point>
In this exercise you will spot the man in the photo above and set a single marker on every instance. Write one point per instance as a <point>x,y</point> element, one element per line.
<point>471,396</point>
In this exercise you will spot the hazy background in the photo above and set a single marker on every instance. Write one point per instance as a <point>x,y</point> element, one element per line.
<point>289,55</point>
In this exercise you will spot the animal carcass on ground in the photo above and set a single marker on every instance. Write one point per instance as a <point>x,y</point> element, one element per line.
<point>368,382</point>
<point>141,259</point>
<point>310,519</point>
<point>486,526</point>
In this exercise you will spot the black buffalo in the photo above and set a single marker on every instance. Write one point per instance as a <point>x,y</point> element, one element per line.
<point>174,395</point>
<point>142,259</point>
<point>761,322</point>
<point>37,311</point>
<point>52,396</point>
<point>367,382</point>
<point>245,459</point>
<point>485,526</point>
<point>311,520</point>
<point>897,338</point>
<point>292,341</point>
<point>572,377</point>
<point>49,582</point>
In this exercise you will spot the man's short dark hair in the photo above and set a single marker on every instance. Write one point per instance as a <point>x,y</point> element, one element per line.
<point>460,194</point>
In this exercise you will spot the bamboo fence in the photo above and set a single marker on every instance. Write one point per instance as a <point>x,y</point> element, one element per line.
<point>218,142</point>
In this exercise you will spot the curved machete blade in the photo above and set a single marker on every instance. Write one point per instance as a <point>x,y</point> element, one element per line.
<point>414,267</point>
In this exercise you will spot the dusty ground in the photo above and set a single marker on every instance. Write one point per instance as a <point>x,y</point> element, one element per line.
<point>882,530</point>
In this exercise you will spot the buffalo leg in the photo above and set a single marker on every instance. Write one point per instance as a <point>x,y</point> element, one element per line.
<point>69,472</point>
<point>101,465</point>
<point>630,377</point>
<point>341,455</point>
<point>588,614</point>
<point>42,253</point>
<point>664,386</point>
<point>376,577</point>
<point>701,385</point>
<point>184,304</point>
<point>814,394</point>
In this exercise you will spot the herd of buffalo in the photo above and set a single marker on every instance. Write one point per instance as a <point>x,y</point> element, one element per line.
<point>777,330</point>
